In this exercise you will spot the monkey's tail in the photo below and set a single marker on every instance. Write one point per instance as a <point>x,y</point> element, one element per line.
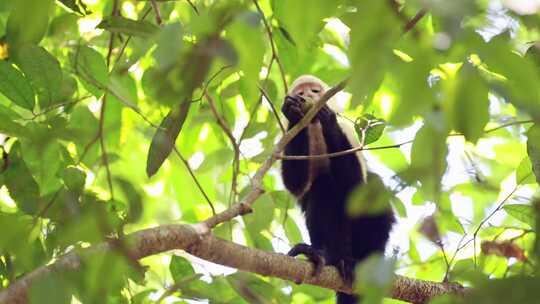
<point>343,298</point>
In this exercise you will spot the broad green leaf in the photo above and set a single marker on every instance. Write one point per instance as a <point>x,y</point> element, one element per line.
<point>165,138</point>
<point>533,150</point>
<point>122,25</point>
<point>180,268</point>
<point>134,200</point>
<point>261,217</point>
<point>74,178</point>
<point>291,231</point>
<point>254,289</point>
<point>44,72</point>
<point>522,77</point>
<point>521,212</point>
<point>373,33</point>
<point>428,157</point>
<point>28,21</point>
<point>14,86</point>
<point>470,104</point>
<point>41,153</point>
<point>8,126</point>
<point>371,198</point>
<point>77,6</point>
<point>369,128</point>
<point>377,273</point>
<point>414,96</point>
<point>92,69</point>
<point>40,290</point>
<point>21,185</point>
<point>524,173</point>
<point>169,45</point>
<point>302,21</point>
<point>247,38</point>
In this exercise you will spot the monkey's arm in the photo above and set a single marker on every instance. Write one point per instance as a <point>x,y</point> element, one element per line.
<point>346,169</point>
<point>295,172</point>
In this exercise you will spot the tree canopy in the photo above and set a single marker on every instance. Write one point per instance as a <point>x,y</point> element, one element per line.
<point>130,128</point>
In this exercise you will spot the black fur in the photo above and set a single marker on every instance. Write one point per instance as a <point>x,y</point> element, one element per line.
<point>341,240</point>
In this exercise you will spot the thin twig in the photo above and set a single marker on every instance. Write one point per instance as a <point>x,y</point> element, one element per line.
<point>57,106</point>
<point>344,152</point>
<point>156,11</point>
<point>186,163</point>
<point>499,207</point>
<point>256,106</point>
<point>193,6</point>
<point>272,45</point>
<point>263,92</point>
<point>513,123</point>
<point>236,161</point>
<point>411,24</point>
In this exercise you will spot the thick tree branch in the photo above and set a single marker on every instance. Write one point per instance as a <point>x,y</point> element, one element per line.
<point>194,240</point>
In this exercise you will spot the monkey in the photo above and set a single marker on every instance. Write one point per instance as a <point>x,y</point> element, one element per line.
<point>322,185</point>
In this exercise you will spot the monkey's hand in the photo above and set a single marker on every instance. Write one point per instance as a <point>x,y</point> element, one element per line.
<point>292,109</point>
<point>326,116</point>
<point>314,256</point>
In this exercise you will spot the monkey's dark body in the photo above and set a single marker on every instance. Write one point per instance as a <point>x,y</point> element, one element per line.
<point>341,240</point>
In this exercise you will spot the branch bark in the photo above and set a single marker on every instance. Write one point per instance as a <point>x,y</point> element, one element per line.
<point>195,240</point>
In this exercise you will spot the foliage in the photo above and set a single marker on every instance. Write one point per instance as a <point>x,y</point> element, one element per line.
<point>118,115</point>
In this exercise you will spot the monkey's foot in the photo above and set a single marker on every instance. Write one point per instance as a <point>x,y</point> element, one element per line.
<point>314,256</point>
<point>345,268</point>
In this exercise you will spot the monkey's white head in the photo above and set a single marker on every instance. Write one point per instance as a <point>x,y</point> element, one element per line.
<point>311,87</point>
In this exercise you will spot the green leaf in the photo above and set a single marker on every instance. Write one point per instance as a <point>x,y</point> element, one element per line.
<point>134,199</point>
<point>470,105</point>
<point>370,127</point>
<point>524,174</point>
<point>522,77</point>
<point>533,149</point>
<point>74,178</point>
<point>247,38</point>
<point>428,157</point>
<point>77,6</point>
<point>119,24</point>
<point>261,217</point>
<point>370,198</point>
<point>169,45</point>
<point>291,231</point>
<point>14,86</point>
<point>40,290</point>
<point>44,73</point>
<point>302,21</point>
<point>180,268</point>
<point>521,212</point>
<point>8,126</point>
<point>28,21</point>
<point>165,138</point>
<point>19,181</point>
<point>377,273</point>
<point>91,66</point>
<point>373,34</point>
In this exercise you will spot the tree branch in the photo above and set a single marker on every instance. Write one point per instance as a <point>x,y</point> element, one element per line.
<point>194,240</point>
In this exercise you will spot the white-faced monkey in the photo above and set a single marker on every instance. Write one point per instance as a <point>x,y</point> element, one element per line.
<point>322,185</point>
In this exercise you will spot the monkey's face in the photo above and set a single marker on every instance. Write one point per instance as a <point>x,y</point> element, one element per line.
<point>309,90</point>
